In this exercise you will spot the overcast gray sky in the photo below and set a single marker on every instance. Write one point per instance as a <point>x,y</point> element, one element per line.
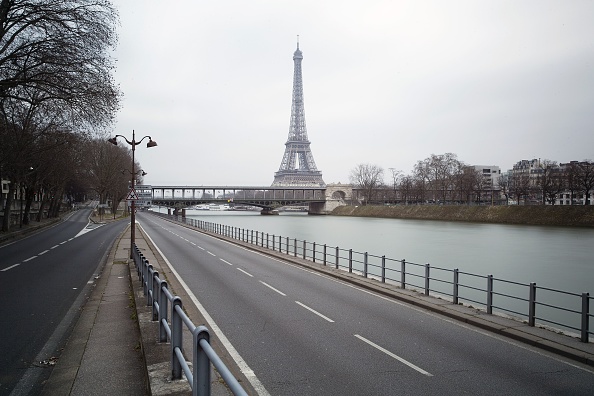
<point>385,82</point>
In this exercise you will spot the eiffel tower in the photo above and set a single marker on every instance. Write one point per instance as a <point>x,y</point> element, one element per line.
<point>298,167</point>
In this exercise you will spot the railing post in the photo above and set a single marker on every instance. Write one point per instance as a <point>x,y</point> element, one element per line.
<point>201,385</point>
<point>273,242</point>
<point>176,338</point>
<point>337,257</point>
<point>287,246</point>
<point>155,295</point>
<point>145,266</point>
<point>427,266</point>
<point>148,284</point>
<point>456,287</point>
<point>304,252</point>
<point>403,274</point>
<point>350,260</point>
<point>295,247</point>
<point>384,269</point>
<point>489,294</point>
<point>313,252</point>
<point>324,254</point>
<point>139,267</point>
<point>163,308</point>
<point>532,305</point>
<point>365,263</point>
<point>585,317</point>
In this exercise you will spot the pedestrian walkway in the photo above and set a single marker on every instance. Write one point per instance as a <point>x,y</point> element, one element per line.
<point>103,355</point>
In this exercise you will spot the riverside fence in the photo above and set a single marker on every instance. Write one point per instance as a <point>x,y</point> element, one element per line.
<point>537,305</point>
<point>171,328</point>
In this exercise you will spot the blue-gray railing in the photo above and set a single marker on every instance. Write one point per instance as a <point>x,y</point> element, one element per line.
<point>160,298</point>
<point>556,307</point>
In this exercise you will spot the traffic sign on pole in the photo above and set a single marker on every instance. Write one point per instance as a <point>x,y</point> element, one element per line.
<point>132,196</point>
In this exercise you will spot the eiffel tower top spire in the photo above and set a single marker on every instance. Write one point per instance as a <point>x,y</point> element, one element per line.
<point>298,167</point>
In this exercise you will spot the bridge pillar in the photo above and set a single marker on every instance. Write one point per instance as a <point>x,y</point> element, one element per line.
<point>168,211</point>
<point>183,213</point>
<point>336,195</point>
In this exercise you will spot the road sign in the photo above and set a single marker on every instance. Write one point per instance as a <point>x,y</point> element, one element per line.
<point>132,196</point>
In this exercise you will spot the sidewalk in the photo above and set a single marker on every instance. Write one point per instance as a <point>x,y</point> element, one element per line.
<point>103,355</point>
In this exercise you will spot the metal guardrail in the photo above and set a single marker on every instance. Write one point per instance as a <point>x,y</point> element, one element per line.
<point>458,285</point>
<point>171,328</point>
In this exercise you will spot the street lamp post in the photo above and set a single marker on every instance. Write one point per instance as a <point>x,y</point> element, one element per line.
<point>133,143</point>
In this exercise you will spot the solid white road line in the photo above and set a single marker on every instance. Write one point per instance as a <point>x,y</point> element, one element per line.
<point>270,287</point>
<point>409,364</point>
<point>11,267</point>
<point>316,312</point>
<point>247,273</point>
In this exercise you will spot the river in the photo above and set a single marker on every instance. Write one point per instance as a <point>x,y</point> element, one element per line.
<point>553,257</point>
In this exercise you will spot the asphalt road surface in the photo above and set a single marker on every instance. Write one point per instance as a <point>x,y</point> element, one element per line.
<point>44,280</point>
<point>303,333</point>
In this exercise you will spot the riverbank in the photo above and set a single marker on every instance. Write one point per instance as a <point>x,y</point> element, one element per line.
<point>565,216</point>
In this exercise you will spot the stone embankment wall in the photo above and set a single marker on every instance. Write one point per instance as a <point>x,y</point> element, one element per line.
<point>568,216</point>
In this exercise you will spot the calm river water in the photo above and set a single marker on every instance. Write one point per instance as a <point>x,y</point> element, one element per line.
<point>553,257</point>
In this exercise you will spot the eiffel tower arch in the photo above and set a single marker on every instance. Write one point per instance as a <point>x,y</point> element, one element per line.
<point>298,167</point>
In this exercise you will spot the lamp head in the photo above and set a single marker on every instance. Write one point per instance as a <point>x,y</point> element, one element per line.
<point>113,141</point>
<point>144,173</point>
<point>151,143</point>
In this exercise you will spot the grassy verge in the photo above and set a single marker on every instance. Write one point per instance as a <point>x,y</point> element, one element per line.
<point>568,216</point>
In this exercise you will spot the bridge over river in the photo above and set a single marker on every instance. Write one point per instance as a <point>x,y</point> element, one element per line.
<point>320,200</point>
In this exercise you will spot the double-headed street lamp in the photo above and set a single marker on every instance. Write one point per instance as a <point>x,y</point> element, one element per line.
<point>133,143</point>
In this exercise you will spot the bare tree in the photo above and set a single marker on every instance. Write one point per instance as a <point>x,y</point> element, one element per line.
<point>57,51</point>
<point>368,178</point>
<point>439,171</point>
<point>519,186</point>
<point>55,74</point>
<point>396,175</point>
<point>585,179</point>
<point>406,188</point>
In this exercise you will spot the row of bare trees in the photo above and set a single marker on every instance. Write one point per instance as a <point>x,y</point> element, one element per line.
<point>445,179</point>
<point>438,178</point>
<point>547,180</point>
<point>56,94</point>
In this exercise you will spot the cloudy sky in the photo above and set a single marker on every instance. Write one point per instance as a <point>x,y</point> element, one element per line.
<point>385,82</point>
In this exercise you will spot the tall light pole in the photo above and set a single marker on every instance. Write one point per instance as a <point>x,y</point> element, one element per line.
<point>133,143</point>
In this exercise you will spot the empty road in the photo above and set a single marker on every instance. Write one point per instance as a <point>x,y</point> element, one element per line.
<point>305,333</point>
